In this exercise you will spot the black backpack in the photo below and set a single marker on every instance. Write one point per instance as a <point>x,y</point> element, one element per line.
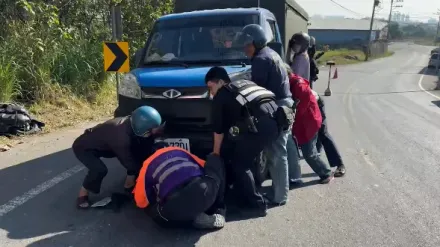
<point>15,120</point>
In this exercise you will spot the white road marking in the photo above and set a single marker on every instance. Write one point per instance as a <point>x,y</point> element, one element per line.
<point>20,200</point>
<point>421,87</point>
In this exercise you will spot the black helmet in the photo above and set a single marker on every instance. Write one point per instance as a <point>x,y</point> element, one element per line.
<point>302,40</point>
<point>254,33</point>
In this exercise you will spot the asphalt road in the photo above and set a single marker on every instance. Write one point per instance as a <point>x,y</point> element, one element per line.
<point>385,124</point>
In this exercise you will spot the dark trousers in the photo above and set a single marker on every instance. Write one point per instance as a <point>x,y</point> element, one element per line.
<point>201,194</point>
<point>326,141</point>
<point>91,158</point>
<point>246,149</point>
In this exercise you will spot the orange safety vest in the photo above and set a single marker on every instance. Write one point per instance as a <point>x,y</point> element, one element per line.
<point>140,192</point>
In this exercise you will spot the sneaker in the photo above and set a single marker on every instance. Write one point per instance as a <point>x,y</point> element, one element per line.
<point>204,221</point>
<point>295,182</point>
<point>271,203</point>
<point>327,179</point>
<point>340,171</point>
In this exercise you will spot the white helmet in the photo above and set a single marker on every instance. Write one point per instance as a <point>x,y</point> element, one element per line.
<point>312,41</point>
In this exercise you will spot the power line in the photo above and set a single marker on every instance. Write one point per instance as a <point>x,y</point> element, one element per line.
<point>342,6</point>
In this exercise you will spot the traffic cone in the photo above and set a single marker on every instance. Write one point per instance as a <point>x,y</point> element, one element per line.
<point>335,75</point>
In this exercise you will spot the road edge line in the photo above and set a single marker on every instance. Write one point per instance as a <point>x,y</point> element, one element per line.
<point>20,200</point>
<point>421,87</point>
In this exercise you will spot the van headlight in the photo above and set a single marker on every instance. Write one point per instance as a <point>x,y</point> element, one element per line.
<point>129,86</point>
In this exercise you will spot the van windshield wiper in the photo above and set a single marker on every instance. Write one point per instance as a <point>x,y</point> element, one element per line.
<point>223,62</point>
<point>167,63</point>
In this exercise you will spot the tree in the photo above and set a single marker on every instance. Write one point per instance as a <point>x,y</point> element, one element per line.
<point>395,31</point>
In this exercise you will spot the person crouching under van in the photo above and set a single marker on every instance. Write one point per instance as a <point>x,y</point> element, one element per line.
<point>178,189</point>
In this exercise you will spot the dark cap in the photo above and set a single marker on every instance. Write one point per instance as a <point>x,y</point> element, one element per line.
<point>216,74</point>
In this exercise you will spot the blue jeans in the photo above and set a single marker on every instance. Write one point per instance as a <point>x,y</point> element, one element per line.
<point>312,158</point>
<point>293,159</point>
<point>278,161</point>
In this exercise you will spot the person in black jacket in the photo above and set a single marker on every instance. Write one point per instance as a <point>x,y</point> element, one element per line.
<point>125,138</point>
<point>314,70</point>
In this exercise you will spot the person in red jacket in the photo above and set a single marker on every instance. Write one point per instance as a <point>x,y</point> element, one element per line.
<point>307,123</point>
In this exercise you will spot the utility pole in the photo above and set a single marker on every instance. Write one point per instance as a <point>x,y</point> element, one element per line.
<point>391,14</point>
<point>389,20</point>
<point>438,29</point>
<point>375,4</point>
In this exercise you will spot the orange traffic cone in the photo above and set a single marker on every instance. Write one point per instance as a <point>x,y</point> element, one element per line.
<point>335,76</point>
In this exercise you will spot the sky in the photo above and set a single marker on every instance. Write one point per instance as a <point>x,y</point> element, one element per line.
<point>420,10</point>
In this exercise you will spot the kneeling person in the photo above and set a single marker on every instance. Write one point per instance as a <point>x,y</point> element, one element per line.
<point>116,138</point>
<point>178,189</point>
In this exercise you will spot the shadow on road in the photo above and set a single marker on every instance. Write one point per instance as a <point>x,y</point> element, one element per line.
<point>436,102</point>
<point>49,217</point>
<point>428,71</point>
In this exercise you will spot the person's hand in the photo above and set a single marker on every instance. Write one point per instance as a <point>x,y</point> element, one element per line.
<point>214,153</point>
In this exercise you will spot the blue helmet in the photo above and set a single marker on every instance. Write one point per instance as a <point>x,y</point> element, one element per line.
<point>144,119</point>
<point>254,33</point>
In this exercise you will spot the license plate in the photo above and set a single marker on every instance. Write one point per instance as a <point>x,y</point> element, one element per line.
<point>177,142</point>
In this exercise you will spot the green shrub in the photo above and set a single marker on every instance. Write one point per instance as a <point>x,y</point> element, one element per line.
<point>51,51</point>
<point>9,85</point>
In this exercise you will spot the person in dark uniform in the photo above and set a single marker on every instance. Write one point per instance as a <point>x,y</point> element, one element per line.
<point>314,70</point>
<point>268,72</point>
<point>178,189</point>
<point>116,138</point>
<point>243,112</point>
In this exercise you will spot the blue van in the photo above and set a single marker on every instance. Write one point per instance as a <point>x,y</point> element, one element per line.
<point>171,67</point>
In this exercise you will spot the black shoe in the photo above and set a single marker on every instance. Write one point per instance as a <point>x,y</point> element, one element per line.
<point>258,212</point>
<point>327,179</point>
<point>271,203</point>
<point>340,171</point>
<point>295,182</point>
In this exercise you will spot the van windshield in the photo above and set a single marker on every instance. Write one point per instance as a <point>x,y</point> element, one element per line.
<point>205,39</point>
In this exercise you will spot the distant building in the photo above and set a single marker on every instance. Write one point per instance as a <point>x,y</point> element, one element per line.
<point>432,21</point>
<point>346,31</point>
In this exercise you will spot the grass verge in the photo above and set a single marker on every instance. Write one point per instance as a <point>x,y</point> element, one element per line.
<point>347,56</point>
<point>69,110</point>
<point>426,42</point>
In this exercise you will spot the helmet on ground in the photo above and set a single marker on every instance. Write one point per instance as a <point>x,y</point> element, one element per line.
<point>300,41</point>
<point>254,34</point>
<point>144,119</point>
<point>312,41</point>
<point>159,145</point>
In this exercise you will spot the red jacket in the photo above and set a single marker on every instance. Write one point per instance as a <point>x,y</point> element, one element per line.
<point>308,118</point>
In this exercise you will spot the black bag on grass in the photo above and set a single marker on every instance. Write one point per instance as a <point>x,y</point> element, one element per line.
<point>15,120</point>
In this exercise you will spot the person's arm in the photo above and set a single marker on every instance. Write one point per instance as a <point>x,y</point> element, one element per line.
<point>260,71</point>
<point>124,154</point>
<point>218,122</point>
<point>301,91</point>
<point>218,140</point>
<point>319,55</point>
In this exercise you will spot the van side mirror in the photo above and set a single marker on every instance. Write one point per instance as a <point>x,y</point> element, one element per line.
<point>276,46</point>
<point>138,57</point>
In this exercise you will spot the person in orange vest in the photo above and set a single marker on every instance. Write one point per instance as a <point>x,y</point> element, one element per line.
<point>178,189</point>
